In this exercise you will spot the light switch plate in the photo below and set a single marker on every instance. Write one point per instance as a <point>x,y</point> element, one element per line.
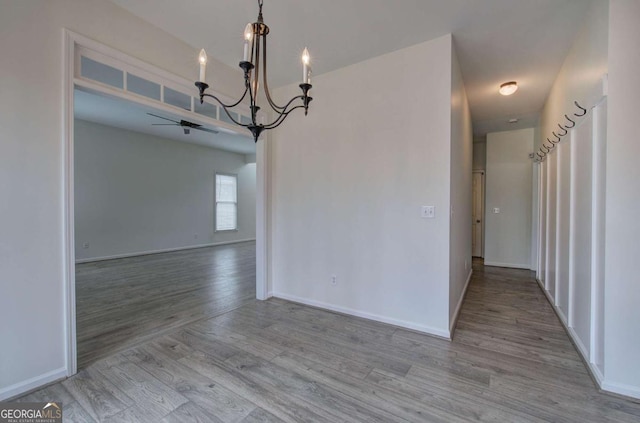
<point>496,210</point>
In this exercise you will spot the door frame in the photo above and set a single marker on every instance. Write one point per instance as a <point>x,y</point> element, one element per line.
<point>71,42</point>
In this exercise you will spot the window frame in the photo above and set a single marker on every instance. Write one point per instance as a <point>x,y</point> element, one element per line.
<point>215,202</point>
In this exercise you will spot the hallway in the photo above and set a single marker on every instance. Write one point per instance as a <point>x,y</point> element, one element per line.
<point>510,361</point>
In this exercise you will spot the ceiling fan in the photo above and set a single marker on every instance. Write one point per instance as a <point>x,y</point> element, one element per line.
<point>185,124</point>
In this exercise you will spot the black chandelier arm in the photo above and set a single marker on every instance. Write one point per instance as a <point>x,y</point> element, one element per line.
<point>253,108</point>
<point>284,109</point>
<point>224,107</point>
<point>272,103</point>
<point>230,106</point>
<point>283,115</point>
<point>281,118</point>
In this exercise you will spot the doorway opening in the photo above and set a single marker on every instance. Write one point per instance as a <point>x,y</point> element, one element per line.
<point>155,249</point>
<point>135,196</point>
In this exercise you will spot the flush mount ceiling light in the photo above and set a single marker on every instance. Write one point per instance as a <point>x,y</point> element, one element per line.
<point>254,65</point>
<point>508,88</point>
<point>514,120</point>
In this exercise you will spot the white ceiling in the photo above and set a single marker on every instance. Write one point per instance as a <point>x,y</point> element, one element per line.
<point>112,111</point>
<point>496,40</point>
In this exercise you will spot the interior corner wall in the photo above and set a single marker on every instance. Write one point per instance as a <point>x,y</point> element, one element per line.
<point>509,189</point>
<point>348,182</point>
<point>461,208</point>
<point>480,155</point>
<point>137,193</point>
<point>622,290</point>
<point>32,167</point>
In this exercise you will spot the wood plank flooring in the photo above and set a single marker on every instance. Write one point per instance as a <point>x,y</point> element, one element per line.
<point>276,361</point>
<point>123,302</point>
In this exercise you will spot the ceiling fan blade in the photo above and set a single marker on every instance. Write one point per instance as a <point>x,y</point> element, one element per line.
<point>188,124</point>
<point>201,128</point>
<point>162,117</point>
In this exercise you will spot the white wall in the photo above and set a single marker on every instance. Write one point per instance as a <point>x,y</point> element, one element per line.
<point>348,182</point>
<point>551,223</point>
<point>622,290</point>
<point>563,223</point>
<point>509,188</point>
<point>604,204</point>
<point>32,254</point>
<point>568,210</point>
<point>461,208</point>
<point>569,220</point>
<point>542,224</point>
<point>137,193</point>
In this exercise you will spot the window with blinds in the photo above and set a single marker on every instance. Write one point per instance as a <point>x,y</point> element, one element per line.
<point>226,202</point>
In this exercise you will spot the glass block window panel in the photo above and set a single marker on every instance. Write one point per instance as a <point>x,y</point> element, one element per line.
<point>206,109</point>
<point>100,72</point>
<point>226,202</point>
<point>143,87</point>
<point>225,118</point>
<point>176,98</point>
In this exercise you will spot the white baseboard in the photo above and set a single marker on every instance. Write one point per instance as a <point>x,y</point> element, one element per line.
<point>509,265</point>
<point>596,373</point>
<point>456,313</point>
<point>584,352</point>
<point>33,383</point>
<point>621,389</point>
<point>547,294</point>
<point>166,250</point>
<point>561,315</point>
<point>366,315</point>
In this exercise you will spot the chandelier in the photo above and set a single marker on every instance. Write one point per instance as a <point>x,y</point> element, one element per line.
<point>254,65</point>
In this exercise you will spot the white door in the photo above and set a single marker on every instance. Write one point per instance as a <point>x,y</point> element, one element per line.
<point>478,218</point>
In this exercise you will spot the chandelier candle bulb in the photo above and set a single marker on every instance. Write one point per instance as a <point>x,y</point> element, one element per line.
<point>305,66</point>
<point>203,64</point>
<point>248,35</point>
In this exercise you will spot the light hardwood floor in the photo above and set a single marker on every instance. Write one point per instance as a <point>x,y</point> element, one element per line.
<point>272,361</point>
<point>123,302</point>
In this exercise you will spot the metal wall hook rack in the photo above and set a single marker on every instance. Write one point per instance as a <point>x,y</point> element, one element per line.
<point>541,154</point>
<point>573,122</point>
<point>564,129</point>
<point>584,111</point>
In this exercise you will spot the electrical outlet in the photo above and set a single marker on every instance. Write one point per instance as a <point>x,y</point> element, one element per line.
<point>85,245</point>
<point>428,212</point>
<point>334,280</point>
